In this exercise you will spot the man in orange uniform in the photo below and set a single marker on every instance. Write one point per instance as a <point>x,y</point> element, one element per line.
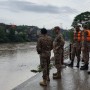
<point>85,47</point>
<point>76,47</point>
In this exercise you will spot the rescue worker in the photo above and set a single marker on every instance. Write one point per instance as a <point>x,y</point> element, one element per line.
<point>89,29</point>
<point>58,45</point>
<point>76,47</point>
<point>44,47</point>
<point>85,47</point>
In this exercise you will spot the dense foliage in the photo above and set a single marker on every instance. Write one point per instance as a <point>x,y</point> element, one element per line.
<point>83,18</point>
<point>23,33</point>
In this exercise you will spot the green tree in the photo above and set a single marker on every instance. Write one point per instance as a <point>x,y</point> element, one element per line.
<point>83,18</point>
<point>3,36</point>
<point>11,35</point>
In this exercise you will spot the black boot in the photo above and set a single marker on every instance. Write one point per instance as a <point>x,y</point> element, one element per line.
<point>89,72</point>
<point>82,60</point>
<point>78,64</point>
<point>85,67</point>
<point>54,74</point>
<point>71,64</point>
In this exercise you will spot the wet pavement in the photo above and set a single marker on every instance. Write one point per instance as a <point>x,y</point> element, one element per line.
<point>72,79</point>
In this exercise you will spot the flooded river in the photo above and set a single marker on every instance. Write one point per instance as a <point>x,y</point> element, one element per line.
<point>16,61</point>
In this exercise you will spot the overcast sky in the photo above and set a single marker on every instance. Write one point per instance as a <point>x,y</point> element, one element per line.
<point>42,13</point>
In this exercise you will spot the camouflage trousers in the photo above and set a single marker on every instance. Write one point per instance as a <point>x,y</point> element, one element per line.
<point>75,52</point>
<point>45,62</point>
<point>85,54</point>
<point>58,60</point>
<point>62,60</point>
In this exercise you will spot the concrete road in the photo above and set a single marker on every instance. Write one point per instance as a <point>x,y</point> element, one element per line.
<point>72,79</point>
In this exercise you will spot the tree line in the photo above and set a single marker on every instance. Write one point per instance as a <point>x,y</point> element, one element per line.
<point>24,33</point>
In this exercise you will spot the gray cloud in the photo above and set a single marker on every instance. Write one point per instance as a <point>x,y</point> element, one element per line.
<point>17,6</point>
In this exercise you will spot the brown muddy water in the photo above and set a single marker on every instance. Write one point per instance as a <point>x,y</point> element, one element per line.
<point>16,61</point>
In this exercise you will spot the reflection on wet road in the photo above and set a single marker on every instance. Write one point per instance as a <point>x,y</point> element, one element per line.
<point>72,79</point>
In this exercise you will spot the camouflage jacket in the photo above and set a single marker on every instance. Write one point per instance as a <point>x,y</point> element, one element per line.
<point>44,45</point>
<point>58,43</point>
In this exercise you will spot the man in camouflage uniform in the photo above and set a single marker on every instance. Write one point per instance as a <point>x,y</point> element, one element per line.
<point>76,47</point>
<point>58,45</point>
<point>85,48</point>
<point>44,47</point>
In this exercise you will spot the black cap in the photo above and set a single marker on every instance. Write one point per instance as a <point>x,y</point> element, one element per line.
<point>43,31</point>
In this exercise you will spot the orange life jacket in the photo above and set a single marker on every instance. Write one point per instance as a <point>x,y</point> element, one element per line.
<point>82,35</point>
<point>77,36</point>
<point>88,36</point>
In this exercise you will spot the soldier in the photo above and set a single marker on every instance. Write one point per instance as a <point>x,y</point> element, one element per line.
<point>76,47</point>
<point>44,47</point>
<point>58,45</point>
<point>89,29</point>
<point>85,47</point>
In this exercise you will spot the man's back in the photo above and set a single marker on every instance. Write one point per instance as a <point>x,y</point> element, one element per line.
<point>44,45</point>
